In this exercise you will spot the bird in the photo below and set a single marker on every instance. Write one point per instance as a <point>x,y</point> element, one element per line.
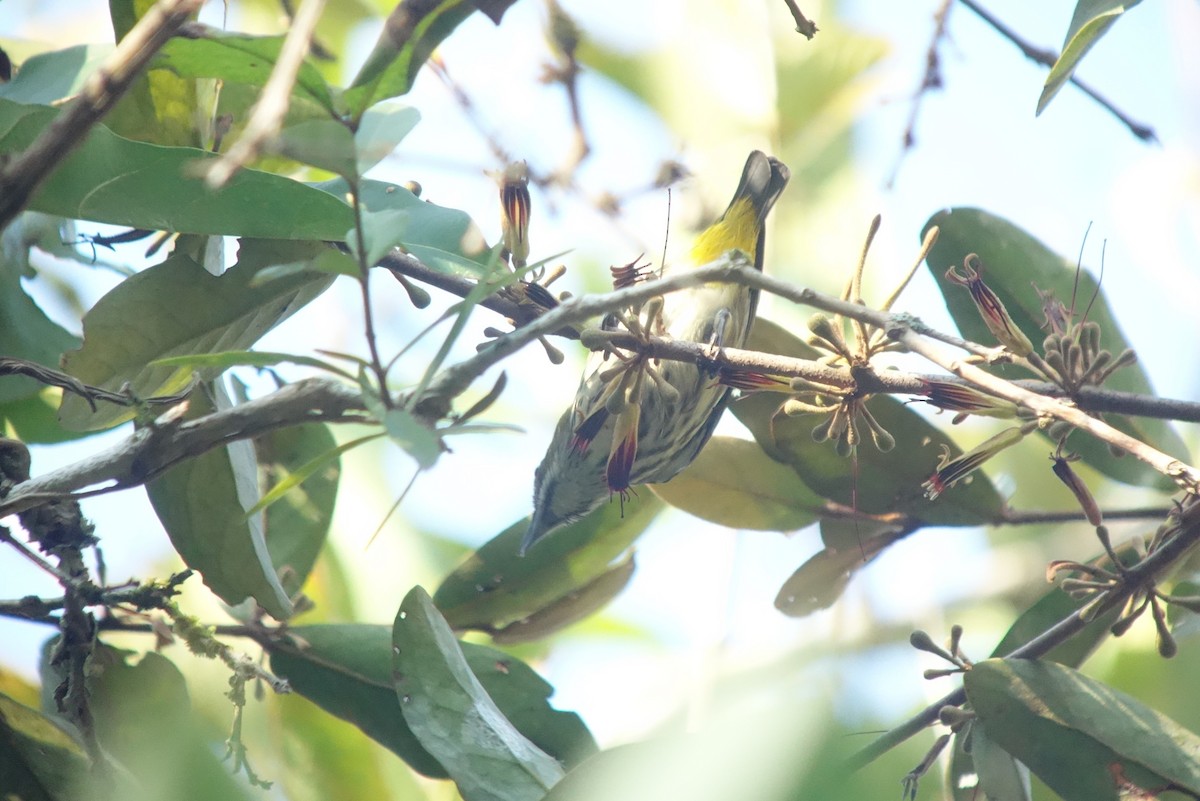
<point>640,421</point>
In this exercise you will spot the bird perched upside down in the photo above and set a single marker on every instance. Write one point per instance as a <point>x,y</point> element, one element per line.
<point>638,421</point>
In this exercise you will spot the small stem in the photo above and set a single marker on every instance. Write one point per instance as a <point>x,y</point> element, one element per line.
<point>32,555</point>
<point>364,282</point>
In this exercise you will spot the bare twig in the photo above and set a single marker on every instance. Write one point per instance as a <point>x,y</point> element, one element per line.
<point>1047,58</point>
<point>33,556</point>
<point>804,25</point>
<point>150,451</point>
<point>100,93</point>
<point>564,37</point>
<point>57,378</point>
<point>364,286</point>
<point>266,118</point>
<point>930,80</point>
<point>917,337</point>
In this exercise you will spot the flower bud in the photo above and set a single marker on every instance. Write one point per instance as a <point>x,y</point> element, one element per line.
<point>991,309</point>
<point>515,207</point>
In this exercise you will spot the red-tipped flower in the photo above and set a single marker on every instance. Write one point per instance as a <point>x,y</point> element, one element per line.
<point>991,309</point>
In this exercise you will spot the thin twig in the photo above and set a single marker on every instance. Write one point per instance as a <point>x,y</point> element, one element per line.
<point>100,93</point>
<point>408,265</point>
<point>1047,58</point>
<point>930,80</point>
<point>33,556</point>
<point>916,337</point>
<point>1018,517</point>
<point>364,285</point>
<point>804,25</point>
<point>266,118</point>
<point>150,451</point>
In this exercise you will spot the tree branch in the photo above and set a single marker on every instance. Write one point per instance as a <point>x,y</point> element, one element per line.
<point>1092,399</point>
<point>100,93</point>
<point>153,449</point>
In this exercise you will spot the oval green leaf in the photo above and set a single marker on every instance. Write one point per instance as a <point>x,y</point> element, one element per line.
<point>346,669</point>
<point>1084,739</point>
<point>1091,20</point>
<point>202,504</point>
<point>571,608</point>
<point>177,308</point>
<point>453,716</point>
<point>115,180</point>
<point>26,333</point>
<point>407,39</point>
<point>734,483</point>
<point>236,58</point>
<point>297,524</point>
<point>39,761</point>
<point>495,587</point>
<point>145,719</point>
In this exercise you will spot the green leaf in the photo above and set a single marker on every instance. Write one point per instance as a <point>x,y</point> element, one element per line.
<point>39,761</point>
<point>880,482</point>
<point>246,358</point>
<point>26,333</point>
<point>144,718</point>
<point>115,180</point>
<point>415,438</point>
<point>202,504</point>
<point>408,38</point>
<point>34,420</point>
<point>734,483</point>
<point>237,58</point>
<point>325,144</point>
<point>1091,20</point>
<point>453,716</point>
<point>379,131</point>
<point>495,587</point>
<point>307,461</point>
<point>571,608</point>
<point>824,576</point>
<point>50,77</point>
<point>158,107</point>
<point>1014,262</point>
<point>346,669</point>
<point>395,216</point>
<point>326,758</point>
<point>177,308</point>
<point>997,776</point>
<point>1079,736</point>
